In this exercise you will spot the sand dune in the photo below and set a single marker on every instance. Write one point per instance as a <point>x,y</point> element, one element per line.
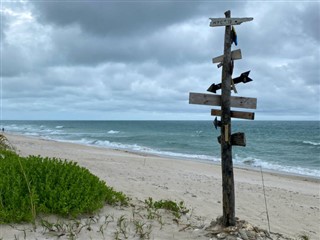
<point>293,201</point>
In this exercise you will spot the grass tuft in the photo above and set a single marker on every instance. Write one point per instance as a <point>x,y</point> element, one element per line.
<point>303,237</point>
<point>5,144</point>
<point>177,209</point>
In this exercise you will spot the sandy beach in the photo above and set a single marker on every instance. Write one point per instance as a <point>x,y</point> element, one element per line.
<point>293,201</point>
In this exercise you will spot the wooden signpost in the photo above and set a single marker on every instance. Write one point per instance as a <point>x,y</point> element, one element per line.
<point>226,101</point>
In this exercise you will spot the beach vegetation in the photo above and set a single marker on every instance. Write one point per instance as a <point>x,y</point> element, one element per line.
<point>35,184</point>
<point>303,236</point>
<point>5,144</point>
<point>177,209</point>
<point>142,229</point>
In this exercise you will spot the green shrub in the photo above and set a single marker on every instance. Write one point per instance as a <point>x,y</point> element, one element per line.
<point>176,208</point>
<point>48,185</point>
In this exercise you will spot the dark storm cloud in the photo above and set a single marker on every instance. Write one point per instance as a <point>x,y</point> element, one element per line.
<point>123,18</point>
<point>108,18</point>
<point>95,32</point>
<point>169,46</point>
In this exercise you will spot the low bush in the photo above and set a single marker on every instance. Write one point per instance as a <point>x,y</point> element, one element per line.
<point>34,184</point>
<point>176,208</point>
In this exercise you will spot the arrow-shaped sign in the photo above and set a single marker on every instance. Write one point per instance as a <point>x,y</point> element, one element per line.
<point>244,77</point>
<point>216,22</point>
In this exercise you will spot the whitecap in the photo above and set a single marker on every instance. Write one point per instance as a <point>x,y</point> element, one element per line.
<point>274,166</point>
<point>31,134</point>
<point>143,149</point>
<point>311,143</point>
<point>113,132</point>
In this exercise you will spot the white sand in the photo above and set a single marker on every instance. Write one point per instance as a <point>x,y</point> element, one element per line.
<point>293,202</point>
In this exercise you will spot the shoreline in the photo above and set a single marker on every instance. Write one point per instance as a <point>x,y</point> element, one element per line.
<point>303,177</point>
<point>293,201</point>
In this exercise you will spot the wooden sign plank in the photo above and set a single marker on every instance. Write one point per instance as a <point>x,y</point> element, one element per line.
<point>235,55</point>
<point>215,100</point>
<point>235,114</point>
<point>204,99</point>
<point>237,139</point>
<point>217,22</point>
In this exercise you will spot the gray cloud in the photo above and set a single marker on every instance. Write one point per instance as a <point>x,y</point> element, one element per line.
<point>173,45</point>
<point>110,60</point>
<point>109,18</point>
<point>123,18</point>
<point>131,31</point>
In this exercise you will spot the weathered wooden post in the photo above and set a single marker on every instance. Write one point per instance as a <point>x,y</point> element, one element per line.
<point>226,102</point>
<point>226,147</point>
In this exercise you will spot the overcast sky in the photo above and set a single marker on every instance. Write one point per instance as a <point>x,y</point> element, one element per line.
<point>118,60</point>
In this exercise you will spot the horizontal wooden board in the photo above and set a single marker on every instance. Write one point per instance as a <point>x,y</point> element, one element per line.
<point>235,55</point>
<point>217,22</point>
<point>235,114</point>
<point>215,100</point>
<point>237,139</point>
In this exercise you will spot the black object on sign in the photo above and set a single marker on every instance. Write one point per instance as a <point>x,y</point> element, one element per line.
<point>216,123</point>
<point>244,77</point>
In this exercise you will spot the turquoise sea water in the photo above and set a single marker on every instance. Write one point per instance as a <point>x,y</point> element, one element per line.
<point>292,147</point>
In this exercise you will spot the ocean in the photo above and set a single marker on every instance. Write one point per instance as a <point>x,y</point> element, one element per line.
<point>286,146</point>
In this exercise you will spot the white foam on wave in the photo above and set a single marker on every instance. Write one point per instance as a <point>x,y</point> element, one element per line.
<point>59,127</point>
<point>249,161</point>
<point>12,127</point>
<point>50,131</point>
<point>255,162</point>
<point>143,149</point>
<point>31,134</point>
<point>311,143</point>
<point>113,132</point>
<point>31,130</point>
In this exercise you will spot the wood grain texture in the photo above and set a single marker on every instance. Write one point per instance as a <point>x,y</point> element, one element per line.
<point>235,55</point>
<point>235,114</point>
<point>215,100</point>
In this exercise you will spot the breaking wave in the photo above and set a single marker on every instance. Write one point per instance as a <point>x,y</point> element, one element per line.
<point>257,163</point>
<point>311,143</point>
<point>113,132</point>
